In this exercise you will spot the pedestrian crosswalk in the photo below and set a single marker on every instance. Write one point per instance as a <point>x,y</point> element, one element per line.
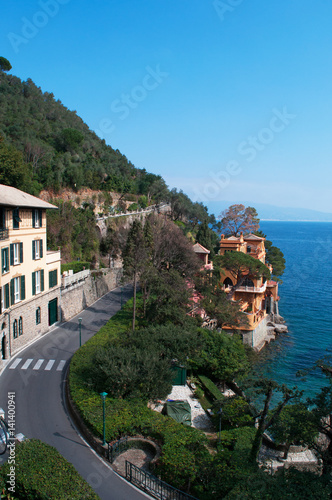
<point>39,364</point>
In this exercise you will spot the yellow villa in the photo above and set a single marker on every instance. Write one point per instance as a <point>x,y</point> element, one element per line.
<point>30,275</point>
<point>258,297</point>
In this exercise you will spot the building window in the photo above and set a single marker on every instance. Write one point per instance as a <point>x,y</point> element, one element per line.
<point>16,218</point>
<point>15,329</point>
<point>37,282</point>
<point>38,316</point>
<point>37,218</point>
<point>37,249</point>
<point>17,289</point>
<point>5,260</point>
<point>53,278</point>
<point>5,297</point>
<point>16,254</point>
<point>20,326</point>
<point>248,249</point>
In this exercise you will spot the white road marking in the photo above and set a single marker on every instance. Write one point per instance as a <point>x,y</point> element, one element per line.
<point>61,365</point>
<point>15,364</point>
<point>27,364</point>
<point>49,364</point>
<point>38,364</point>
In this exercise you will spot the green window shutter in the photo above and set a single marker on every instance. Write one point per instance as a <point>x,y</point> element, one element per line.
<point>12,295</point>
<point>3,260</point>
<point>6,296</point>
<point>22,287</point>
<point>40,217</point>
<point>33,283</point>
<point>55,277</point>
<point>33,218</point>
<point>11,254</point>
<point>42,280</point>
<point>21,253</point>
<point>33,250</point>
<point>41,249</point>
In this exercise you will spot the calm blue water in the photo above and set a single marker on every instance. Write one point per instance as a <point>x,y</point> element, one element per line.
<point>305,302</point>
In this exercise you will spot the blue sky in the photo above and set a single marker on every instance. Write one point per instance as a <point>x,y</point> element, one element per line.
<point>228,100</point>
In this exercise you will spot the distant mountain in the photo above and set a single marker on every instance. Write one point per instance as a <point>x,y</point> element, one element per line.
<point>272,212</point>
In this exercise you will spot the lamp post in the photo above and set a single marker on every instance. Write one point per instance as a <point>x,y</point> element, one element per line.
<point>103,396</point>
<point>80,329</point>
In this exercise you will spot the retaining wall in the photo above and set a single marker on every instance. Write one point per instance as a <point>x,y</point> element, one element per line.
<point>82,294</point>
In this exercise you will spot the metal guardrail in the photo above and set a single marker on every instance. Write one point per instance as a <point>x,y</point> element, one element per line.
<point>115,449</point>
<point>152,485</point>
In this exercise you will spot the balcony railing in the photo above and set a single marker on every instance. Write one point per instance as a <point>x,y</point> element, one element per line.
<point>4,234</point>
<point>252,289</point>
<point>71,279</point>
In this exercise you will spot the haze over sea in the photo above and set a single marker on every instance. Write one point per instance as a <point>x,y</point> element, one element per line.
<point>305,302</point>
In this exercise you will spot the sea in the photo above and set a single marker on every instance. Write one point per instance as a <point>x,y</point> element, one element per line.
<point>305,303</point>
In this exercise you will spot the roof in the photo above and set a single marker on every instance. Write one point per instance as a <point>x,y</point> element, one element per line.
<point>12,197</point>
<point>198,248</point>
<point>253,237</point>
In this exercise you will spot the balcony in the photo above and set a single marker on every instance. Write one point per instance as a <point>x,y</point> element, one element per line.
<point>71,279</point>
<point>251,289</point>
<point>53,256</point>
<point>4,234</point>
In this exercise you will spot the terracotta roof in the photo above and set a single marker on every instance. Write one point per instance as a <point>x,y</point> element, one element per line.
<point>198,248</point>
<point>253,237</point>
<point>12,197</point>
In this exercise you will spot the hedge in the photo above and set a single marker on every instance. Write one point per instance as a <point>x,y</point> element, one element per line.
<point>182,447</point>
<point>76,266</point>
<point>210,387</point>
<point>42,473</point>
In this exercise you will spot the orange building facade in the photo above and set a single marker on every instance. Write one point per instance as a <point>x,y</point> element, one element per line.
<point>257,297</point>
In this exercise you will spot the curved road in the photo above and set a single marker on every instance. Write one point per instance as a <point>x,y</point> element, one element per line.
<point>36,376</point>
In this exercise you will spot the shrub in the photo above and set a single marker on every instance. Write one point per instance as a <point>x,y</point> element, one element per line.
<point>42,473</point>
<point>76,266</point>
<point>210,387</point>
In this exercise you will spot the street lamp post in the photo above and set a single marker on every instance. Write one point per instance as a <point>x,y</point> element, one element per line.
<point>103,395</point>
<point>80,329</point>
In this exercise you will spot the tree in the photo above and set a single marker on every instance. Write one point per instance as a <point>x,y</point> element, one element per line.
<point>71,138</point>
<point>295,424</point>
<point>238,218</point>
<point>5,64</point>
<point>266,418</point>
<point>134,257</point>
<point>242,266</point>
<point>223,357</point>
<point>274,256</point>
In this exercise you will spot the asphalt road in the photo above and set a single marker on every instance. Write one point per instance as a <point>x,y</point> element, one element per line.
<point>39,396</point>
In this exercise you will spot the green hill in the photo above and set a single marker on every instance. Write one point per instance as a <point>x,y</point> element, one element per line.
<point>58,148</point>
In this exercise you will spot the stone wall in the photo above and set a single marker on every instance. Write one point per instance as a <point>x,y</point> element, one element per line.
<point>257,338</point>
<point>82,294</point>
<point>27,311</point>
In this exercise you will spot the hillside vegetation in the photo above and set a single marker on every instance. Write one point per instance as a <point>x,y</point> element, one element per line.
<point>59,147</point>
